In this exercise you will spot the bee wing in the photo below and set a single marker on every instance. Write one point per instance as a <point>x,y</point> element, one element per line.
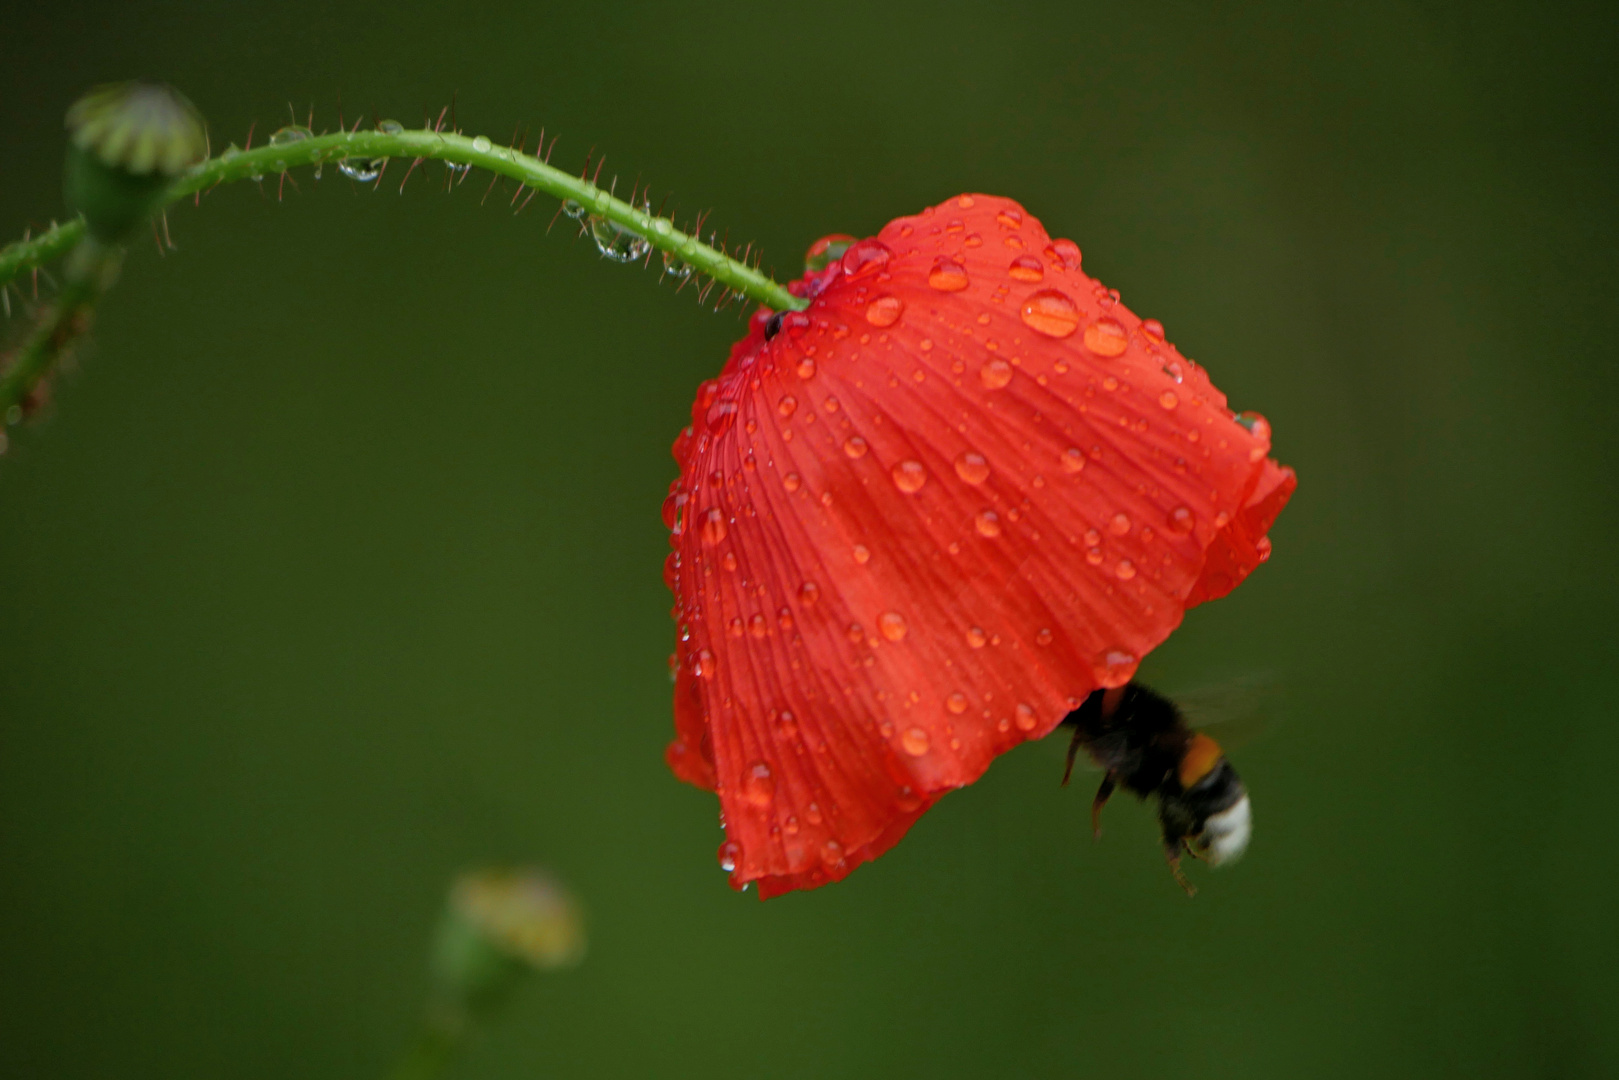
<point>1234,712</point>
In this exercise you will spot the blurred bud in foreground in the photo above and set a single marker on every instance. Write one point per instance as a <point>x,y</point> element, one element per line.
<point>127,143</point>
<point>501,923</point>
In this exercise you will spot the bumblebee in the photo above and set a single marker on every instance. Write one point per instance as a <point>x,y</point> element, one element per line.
<point>1142,743</point>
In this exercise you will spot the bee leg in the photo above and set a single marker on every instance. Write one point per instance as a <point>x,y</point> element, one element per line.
<point>1102,795</point>
<point>1174,858</point>
<point>1073,751</point>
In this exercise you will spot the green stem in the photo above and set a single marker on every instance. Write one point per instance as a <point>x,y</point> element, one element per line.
<point>437,1043</point>
<point>270,160</point>
<point>90,270</point>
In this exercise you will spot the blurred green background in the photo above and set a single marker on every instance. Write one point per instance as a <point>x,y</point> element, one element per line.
<point>335,568</point>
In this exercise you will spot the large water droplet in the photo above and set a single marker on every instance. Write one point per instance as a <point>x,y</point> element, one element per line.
<point>617,243</point>
<point>675,266</point>
<point>1026,268</point>
<point>825,251</point>
<point>390,127</point>
<point>865,258</point>
<point>289,135</point>
<point>914,741</point>
<point>995,374</point>
<point>758,786</point>
<point>892,625</point>
<point>1153,331</point>
<point>947,275</point>
<point>362,170</point>
<point>972,467</point>
<point>1009,218</point>
<point>1063,254</point>
<point>714,525</point>
<point>988,523</point>
<point>909,476</point>
<point>885,311</point>
<point>1105,337</point>
<point>573,209</point>
<point>721,415</point>
<point>481,144</point>
<point>1051,313</point>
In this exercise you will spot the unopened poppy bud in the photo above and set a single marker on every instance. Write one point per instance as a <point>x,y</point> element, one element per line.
<point>127,143</point>
<point>499,924</point>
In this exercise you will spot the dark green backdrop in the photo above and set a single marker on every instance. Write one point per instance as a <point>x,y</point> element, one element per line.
<point>336,567</point>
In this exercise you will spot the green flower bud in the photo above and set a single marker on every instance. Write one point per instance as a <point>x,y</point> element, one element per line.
<point>500,924</point>
<point>127,143</point>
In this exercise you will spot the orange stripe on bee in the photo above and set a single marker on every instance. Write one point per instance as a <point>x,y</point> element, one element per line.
<point>1201,756</point>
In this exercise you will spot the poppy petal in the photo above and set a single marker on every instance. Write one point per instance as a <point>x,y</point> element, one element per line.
<point>920,521</point>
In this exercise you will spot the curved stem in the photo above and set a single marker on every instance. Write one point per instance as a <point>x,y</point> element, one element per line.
<point>529,170</point>
<point>90,269</point>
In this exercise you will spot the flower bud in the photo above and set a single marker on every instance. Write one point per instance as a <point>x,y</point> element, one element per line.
<point>127,143</point>
<point>499,924</point>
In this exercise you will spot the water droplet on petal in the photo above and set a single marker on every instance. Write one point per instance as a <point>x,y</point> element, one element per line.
<point>1119,525</point>
<point>1105,337</point>
<point>1009,218</point>
<point>808,593</point>
<point>855,446</point>
<point>1051,313</point>
<point>892,625</point>
<point>832,853</point>
<point>730,855</point>
<point>714,525</point>
<point>806,368</point>
<point>758,786</point>
<point>987,524</point>
<point>909,476</point>
<point>1043,637</point>
<point>1125,570</point>
<point>976,637</point>
<point>787,405</point>
<point>885,311</point>
<point>865,258</point>
<point>1181,520</point>
<point>702,664</point>
<point>956,703</point>
<point>1064,254</point>
<point>947,275</point>
<point>1073,460</point>
<point>812,813</point>
<point>915,741</point>
<point>1026,268</point>
<point>720,416</point>
<point>1262,548</point>
<point>791,482</point>
<point>1168,399</point>
<point>995,374</point>
<point>758,626</point>
<point>828,248</point>
<point>1026,719</point>
<point>972,467</point>
<point>1153,330</point>
<point>862,554</point>
<point>481,144</point>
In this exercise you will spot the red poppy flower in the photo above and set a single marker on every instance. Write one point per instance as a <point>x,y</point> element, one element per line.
<point>919,522</point>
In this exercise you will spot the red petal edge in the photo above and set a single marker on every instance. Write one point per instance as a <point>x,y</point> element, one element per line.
<point>924,520</point>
